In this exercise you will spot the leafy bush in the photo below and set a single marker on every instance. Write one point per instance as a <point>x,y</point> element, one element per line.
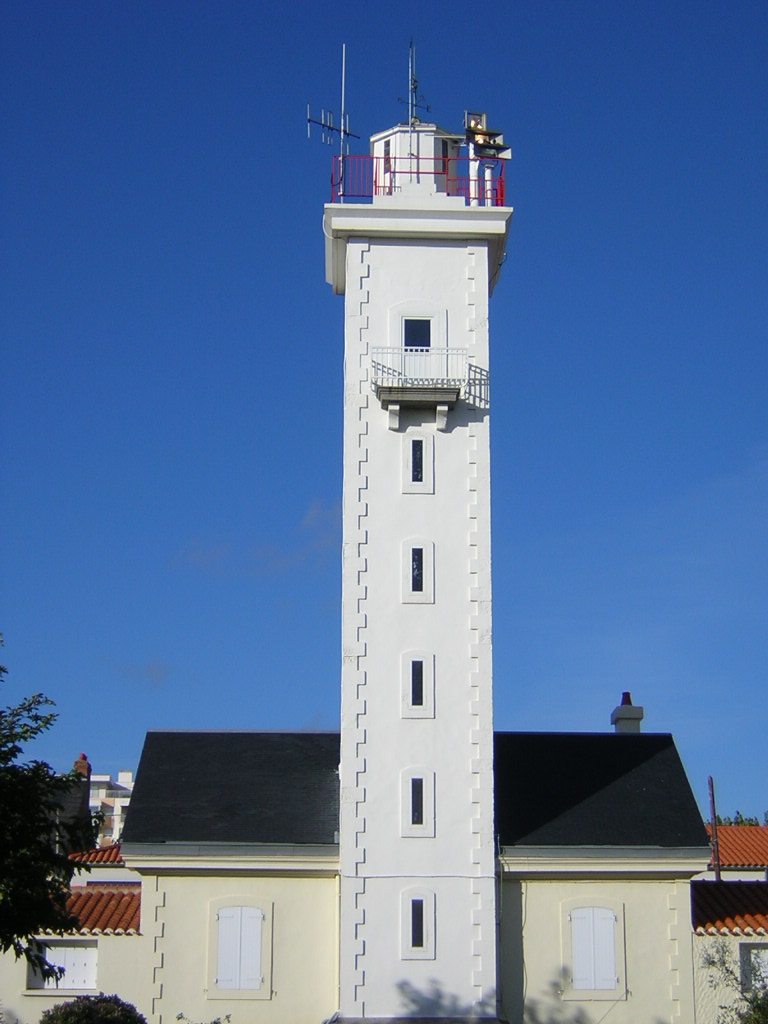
<point>99,1009</point>
<point>216,1020</point>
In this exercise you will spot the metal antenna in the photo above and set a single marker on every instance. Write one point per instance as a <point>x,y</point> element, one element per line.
<point>328,128</point>
<point>415,99</point>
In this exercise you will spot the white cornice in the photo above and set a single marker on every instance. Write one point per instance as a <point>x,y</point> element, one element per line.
<point>606,861</point>
<point>434,217</point>
<point>230,858</point>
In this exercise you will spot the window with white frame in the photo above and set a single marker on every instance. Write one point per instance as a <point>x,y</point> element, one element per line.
<point>593,949</point>
<point>418,571</point>
<point>753,958</point>
<point>78,960</point>
<point>417,684</point>
<point>418,475</point>
<point>417,332</point>
<point>417,924</point>
<point>415,324</point>
<point>240,951</point>
<point>417,802</point>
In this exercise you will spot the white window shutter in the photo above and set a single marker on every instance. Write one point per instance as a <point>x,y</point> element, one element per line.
<point>79,963</point>
<point>605,947</point>
<point>582,968</point>
<point>250,948</point>
<point>84,966</point>
<point>228,960</point>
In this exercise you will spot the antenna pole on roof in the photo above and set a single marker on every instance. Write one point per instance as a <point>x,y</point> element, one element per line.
<point>713,816</point>
<point>343,128</point>
<point>411,98</point>
<point>327,126</point>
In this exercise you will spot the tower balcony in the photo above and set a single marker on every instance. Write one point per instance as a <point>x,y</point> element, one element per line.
<point>472,182</point>
<point>427,376</point>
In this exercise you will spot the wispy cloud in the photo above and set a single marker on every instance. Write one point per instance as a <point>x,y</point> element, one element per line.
<point>152,674</point>
<point>316,534</point>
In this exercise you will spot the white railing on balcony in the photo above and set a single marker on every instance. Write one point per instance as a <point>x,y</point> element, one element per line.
<point>419,367</point>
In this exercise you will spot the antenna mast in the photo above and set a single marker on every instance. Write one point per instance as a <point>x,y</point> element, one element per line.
<point>344,125</point>
<point>328,127</point>
<point>414,101</point>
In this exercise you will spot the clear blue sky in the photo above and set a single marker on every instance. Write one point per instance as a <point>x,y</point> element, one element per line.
<point>172,362</point>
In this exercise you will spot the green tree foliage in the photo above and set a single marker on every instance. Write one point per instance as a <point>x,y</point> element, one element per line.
<point>740,1007</point>
<point>37,833</point>
<point>99,1009</point>
<point>740,819</point>
<point>216,1020</point>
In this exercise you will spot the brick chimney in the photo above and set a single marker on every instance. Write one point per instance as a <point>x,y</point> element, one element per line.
<point>626,717</point>
<point>82,767</point>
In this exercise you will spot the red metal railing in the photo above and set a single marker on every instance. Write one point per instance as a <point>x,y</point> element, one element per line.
<point>480,182</point>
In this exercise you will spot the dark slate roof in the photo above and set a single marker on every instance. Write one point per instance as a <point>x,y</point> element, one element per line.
<point>593,789</point>
<point>235,787</point>
<point>552,789</point>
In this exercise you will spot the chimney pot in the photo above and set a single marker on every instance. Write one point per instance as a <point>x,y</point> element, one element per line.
<point>626,717</point>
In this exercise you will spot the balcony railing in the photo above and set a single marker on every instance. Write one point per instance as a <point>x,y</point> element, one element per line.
<point>480,182</point>
<point>422,376</point>
<point>419,367</point>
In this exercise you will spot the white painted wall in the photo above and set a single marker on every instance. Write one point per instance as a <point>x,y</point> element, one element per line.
<point>448,278</point>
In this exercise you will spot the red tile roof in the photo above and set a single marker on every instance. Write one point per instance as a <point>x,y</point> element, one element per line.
<point>739,908</point>
<point>742,846</point>
<point>107,908</point>
<point>104,855</point>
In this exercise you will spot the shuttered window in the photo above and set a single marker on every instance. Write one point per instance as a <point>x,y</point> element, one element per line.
<point>593,948</point>
<point>78,959</point>
<point>238,963</point>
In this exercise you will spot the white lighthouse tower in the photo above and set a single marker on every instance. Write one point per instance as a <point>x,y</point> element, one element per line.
<point>416,261</point>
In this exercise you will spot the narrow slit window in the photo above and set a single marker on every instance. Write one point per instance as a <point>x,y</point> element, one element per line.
<point>417,924</point>
<point>417,801</point>
<point>417,461</point>
<point>417,683</point>
<point>417,333</point>
<point>417,570</point>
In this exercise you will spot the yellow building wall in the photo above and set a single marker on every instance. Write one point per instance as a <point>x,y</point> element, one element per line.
<point>655,933</point>
<point>117,970</point>
<point>179,953</point>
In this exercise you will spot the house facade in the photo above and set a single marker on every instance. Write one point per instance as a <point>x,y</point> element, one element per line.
<point>730,920</point>
<point>100,955</point>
